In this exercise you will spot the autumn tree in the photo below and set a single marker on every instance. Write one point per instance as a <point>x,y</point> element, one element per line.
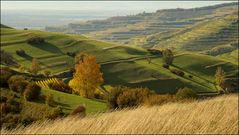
<point>35,67</point>
<point>220,77</point>
<point>168,56</point>
<point>87,76</point>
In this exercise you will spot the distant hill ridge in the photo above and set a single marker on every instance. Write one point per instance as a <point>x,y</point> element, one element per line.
<point>125,28</point>
<point>4,26</point>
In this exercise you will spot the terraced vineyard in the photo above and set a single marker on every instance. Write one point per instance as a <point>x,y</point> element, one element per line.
<point>204,36</point>
<point>148,29</point>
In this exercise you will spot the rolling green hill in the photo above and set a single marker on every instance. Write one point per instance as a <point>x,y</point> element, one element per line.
<point>120,64</point>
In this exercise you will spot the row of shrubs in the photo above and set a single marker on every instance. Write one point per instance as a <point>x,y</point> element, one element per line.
<point>29,90</point>
<point>122,97</point>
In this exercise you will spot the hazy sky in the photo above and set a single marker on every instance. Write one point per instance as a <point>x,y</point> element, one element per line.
<point>104,5</point>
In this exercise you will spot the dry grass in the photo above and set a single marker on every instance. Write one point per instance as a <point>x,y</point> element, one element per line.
<point>214,116</point>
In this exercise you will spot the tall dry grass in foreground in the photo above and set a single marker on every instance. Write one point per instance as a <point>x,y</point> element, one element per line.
<point>214,116</point>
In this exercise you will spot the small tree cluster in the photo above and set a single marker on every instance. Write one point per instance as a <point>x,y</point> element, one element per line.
<point>17,83</point>
<point>186,93</point>
<point>55,113</point>
<point>168,56</point>
<point>80,111</point>
<point>32,92</point>
<point>35,40</point>
<point>121,97</point>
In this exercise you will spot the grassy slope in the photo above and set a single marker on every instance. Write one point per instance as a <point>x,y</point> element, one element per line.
<point>121,65</point>
<point>190,118</point>
<point>71,101</point>
<point>53,52</point>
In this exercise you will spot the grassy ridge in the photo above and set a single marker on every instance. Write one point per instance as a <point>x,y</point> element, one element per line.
<point>121,65</point>
<point>190,118</point>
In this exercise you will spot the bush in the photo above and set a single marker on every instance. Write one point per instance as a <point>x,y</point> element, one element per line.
<point>60,86</point>
<point>190,76</point>
<point>17,83</point>
<point>20,52</point>
<point>166,66</point>
<point>113,95</point>
<point>80,111</point>
<point>3,99</point>
<point>50,100</point>
<point>133,97</point>
<point>159,99</point>
<point>10,121</point>
<point>5,108</point>
<point>186,93</point>
<point>177,72</point>
<point>32,92</point>
<point>5,74</point>
<point>35,40</point>
<point>121,97</point>
<point>56,113</point>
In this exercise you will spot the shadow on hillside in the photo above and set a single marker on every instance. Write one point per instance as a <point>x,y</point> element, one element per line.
<point>46,46</point>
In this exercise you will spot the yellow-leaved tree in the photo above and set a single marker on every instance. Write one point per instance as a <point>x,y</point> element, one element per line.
<point>87,77</point>
<point>220,77</point>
